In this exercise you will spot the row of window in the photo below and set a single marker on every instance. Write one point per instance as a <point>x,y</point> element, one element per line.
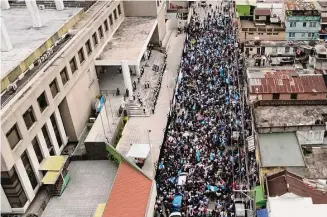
<point>277,95</point>
<point>11,183</point>
<point>261,33</point>
<point>304,24</point>
<point>303,34</point>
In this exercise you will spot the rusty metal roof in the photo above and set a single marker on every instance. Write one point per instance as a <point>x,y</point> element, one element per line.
<point>284,182</point>
<point>286,81</point>
<point>262,11</point>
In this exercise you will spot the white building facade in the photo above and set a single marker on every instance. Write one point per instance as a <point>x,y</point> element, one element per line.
<point>52,109</point>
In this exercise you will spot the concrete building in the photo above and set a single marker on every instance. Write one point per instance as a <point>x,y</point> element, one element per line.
<point>322,7</point>
<point>302,20</point>
<point>49,77</point>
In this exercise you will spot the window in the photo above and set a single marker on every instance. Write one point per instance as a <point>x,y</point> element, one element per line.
<point>250,33</point>
<point>275,33</point>
<point>54,88</point>
<point>119,10</point>
<point>115,14</point>
<point>304,24</point>
<point>269,33</point>
<point>100,32</point>
<point>73,65</point>
<point>42,101</point>
<point>293,96</point>
<point>106,27</point>
<point>88,47</point>
<point>292,24</point>
<point>37,149</point>
<point>13,189</point>
<point>47,140</point>
<point>312,24</point>
<point>287,49</point>
<point>311,35</point>
<point>95,39</point>
<point>110,20</point>
<point>303,34</point>
<point>29,117</point>
<point>81,55</point>
<point>29,170</point>
<point>291,34</point>
<point>158,3</point>
<point>276,95</point>
<point>13,136</point>
<point>56,129</point>
<point>64,76</point>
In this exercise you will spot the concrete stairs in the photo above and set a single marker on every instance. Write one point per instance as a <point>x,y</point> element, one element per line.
<point>135,110</point>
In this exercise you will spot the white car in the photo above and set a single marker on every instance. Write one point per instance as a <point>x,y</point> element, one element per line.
<point>175,214</point>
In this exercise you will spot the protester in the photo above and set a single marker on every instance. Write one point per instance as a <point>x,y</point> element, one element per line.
<point>206,115</point>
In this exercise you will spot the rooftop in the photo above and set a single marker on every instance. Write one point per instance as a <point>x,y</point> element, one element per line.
<point>130,193</point>
<point>89,185</point>
<point>277,43</point>
<point>129,40</point>
<point>285,81</point>
<point>276,149</point>
<point>267,116</point>
<point>284,183</point>
<point>295,206</point>
<point>262,12</point>
<point>25,39</point>
<point>293,5</point>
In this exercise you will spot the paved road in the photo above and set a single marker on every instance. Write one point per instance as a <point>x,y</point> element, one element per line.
<point>136,129</point>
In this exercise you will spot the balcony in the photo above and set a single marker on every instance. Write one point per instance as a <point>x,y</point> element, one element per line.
<point>323,32</point>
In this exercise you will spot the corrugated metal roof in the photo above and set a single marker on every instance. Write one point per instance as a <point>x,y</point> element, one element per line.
<point>262,12</point>
<point>129,195</point>
<point>283,82</point>
<point>284,182</point>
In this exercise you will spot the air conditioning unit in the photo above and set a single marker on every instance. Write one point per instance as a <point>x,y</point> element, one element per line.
<point>12,87</point>
<point>49,51</point>
<point>41,7</point>
<point>39,61</point>
<point>42,59</point>
<point>45,55</point>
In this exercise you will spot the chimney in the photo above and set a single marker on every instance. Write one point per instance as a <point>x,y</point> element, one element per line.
<point>59,5</point>
<point>34,13</point>
<point>5,4</point>
<point>5,40</point>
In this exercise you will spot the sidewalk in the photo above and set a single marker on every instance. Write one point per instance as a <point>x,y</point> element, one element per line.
<point>136,129</point>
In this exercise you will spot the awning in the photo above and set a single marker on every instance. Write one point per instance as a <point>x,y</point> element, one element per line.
<point>100,209</point>
<point>53,163</point>
<point>259,197</point>
<point>139,151</point>
<point>50,178</point>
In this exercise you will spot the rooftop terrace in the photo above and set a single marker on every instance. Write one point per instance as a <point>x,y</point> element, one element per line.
<point>299,6</point>
<point>25,39</point>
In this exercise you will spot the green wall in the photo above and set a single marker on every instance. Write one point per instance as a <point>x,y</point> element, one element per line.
<point>243,10</point>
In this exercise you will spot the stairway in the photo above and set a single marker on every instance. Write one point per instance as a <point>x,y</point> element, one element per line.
<point>135,110</point>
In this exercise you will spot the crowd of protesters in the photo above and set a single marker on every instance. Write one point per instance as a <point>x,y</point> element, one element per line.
<point>205,135</point>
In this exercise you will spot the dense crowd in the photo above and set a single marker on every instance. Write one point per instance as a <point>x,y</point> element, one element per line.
<point>204,138</point>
